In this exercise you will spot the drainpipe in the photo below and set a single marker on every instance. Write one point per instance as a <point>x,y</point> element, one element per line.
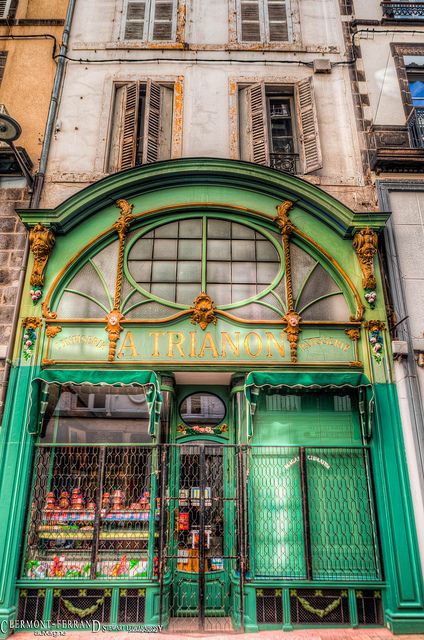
<point>37,190</point>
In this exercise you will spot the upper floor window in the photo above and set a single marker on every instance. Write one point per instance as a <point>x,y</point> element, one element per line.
<point>150,20</point>
<point>141,124</point>
<point>263,20</point>
<point>5,8</point>
<point>279,128</point>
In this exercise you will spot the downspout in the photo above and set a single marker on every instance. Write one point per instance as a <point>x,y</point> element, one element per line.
<point>37,191</point>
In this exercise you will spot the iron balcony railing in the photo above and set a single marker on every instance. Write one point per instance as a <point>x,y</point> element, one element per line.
<point>403,10</point>
<point>286,162</point>
<point>415,125</point>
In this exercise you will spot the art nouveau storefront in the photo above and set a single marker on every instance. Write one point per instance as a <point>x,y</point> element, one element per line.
<point>201,406</point>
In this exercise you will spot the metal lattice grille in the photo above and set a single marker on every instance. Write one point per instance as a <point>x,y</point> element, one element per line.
<point>92,513</point>
<point>269,606</point>
<point>132,603</point>
<point>369,607</point>
<point>311,514</point>
<point>319,606</point>
<point>82,605</point>
<point>31,604</point>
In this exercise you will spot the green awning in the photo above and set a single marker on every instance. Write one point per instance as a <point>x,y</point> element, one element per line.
<point>257,381</point>
<point>41,387</point>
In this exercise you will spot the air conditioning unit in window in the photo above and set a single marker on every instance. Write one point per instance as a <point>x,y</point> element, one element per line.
<point>4,8</point>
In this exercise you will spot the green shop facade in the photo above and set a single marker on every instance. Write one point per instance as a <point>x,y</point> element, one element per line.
<point>201,429</point>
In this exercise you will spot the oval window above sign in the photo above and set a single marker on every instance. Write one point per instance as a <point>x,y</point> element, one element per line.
<point>202,408</point>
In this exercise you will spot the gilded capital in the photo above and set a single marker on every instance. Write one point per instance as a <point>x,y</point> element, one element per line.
<point>41,242</point>
<point>292,330</point>
<point>365,243</point>
<point>113,328</point>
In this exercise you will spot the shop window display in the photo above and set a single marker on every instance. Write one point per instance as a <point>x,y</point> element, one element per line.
<point>93,513</point>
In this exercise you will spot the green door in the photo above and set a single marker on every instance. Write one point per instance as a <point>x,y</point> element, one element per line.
<point>200,539</point>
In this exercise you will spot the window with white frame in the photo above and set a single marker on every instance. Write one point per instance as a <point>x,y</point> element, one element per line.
<point>263,20</point>
<point>141,125</point>
<point>150,20</point>
<point>278,126</point>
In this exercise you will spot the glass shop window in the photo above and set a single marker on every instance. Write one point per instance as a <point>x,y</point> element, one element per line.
<point>81,414</point>
<point>307,418</point>
<point>93,506</point>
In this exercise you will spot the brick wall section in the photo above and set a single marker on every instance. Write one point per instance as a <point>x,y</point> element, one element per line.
<point>12,242</point>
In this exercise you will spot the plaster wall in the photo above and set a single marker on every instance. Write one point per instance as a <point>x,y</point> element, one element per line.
<point>24,92</point>
<point>408,223</point>
<point>367,9</point>
<point>382,83</point>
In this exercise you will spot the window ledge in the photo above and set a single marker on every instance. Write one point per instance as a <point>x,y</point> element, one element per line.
<point>397,160</point>
<point>139,45</point>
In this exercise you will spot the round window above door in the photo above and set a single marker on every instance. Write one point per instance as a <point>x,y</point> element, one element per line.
<point>202,408</point>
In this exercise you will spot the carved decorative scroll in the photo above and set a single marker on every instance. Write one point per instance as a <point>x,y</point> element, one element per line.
<point>115,317</point>
<point>121,225</point>
<point>292,318</point>
<point>203,311</point>
<point>41,242</point>
<point>365,243</point>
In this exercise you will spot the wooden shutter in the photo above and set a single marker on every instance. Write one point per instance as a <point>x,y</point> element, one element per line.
<point>152,120</point>
<point>276,18</point>
<point>308,126</point>
<point>164,20</point>
<point>3,56</point>
<point>129,126</point>
<point>258,123</point>
<point>135,20</point>
<point>4,8</point>
<point>250,20</point>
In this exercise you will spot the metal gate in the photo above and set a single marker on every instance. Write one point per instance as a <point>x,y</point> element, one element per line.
<point>200,538</point>
<point>234,516</point>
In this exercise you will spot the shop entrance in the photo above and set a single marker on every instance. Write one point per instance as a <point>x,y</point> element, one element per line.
<point>202,549</point>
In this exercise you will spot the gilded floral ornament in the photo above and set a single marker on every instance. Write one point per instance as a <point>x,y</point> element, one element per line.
<point>353,333</point>
<point>113,328</point>
<point>203,312</point>
<point>51,332</point>
<point>365,243</point>
<point>292,330</point>
<point>41,242</point>
<point>282,219</point>
<point>123,223</point>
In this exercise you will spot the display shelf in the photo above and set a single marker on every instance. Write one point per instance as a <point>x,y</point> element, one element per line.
<point>84,516</point>
<point>88,535</point>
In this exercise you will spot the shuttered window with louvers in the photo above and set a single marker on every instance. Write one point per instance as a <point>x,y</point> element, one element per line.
<point>150,20</point>
<point>163,24</point>
<point>263,21</point>
<point>269,132</point>
<point>129,126</point>
<point>141,125</point>
<point>3,56</point>
<point>5,8</point>
<point>136,20</point>
<point>308,126</point>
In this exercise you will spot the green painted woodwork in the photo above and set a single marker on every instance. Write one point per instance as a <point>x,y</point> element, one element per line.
<point>206,172</point>
<point>248,193</point>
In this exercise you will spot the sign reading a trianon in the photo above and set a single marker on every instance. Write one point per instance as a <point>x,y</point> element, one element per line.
<point>184,343</point>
